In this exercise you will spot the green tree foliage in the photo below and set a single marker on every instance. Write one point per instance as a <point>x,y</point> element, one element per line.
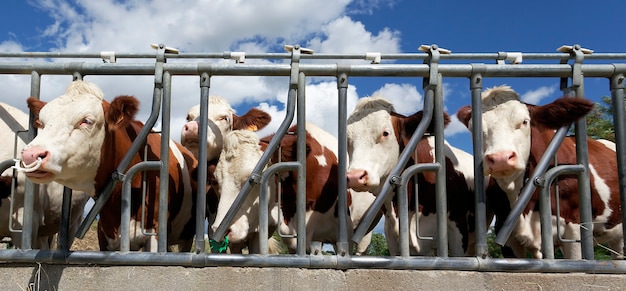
<point>600,120</point>
<point>378,246</point>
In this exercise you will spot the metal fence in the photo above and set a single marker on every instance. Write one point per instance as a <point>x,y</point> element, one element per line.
<point>573,65</point>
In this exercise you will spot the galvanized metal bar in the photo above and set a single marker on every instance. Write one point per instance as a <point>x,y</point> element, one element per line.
<point>264,201</point>
<point>205,85</point>
<point>64,239</point>
<point>164,175</point>
<point>300,153</point>
<point>317,56</point>
<point>433,85</point>
<point>440,187</point>
<point>619,123</point>
<point>126,200</point>
<point>330,262</point>
<point>476,87</point>
<point>545,207</point>
<point>403,203</point>
<point>528,189</point>
<point>329,70</point>
<point>343,218</point>
<point>30,188</point>
<point>584,182</point>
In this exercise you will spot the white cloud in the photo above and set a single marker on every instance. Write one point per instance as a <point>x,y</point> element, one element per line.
<point>404,97</point>
<point>343,35</point>
<point>535,96</point>
<point>455,127</point>
<point>208,26</point>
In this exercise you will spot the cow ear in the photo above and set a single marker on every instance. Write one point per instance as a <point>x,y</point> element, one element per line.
<point>253,120</point>
<point>412,121</point>
<point>35,105</point>
<point>561,112</point>
<point>464,115</point>
<point>121,111</point>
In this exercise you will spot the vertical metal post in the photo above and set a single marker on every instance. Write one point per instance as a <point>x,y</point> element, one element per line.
<point>64,241</point>
<point>205,85</point>
<point>584,184</point>
<point>301,155</point>
<point>432,86</point>
<point>342,159</point>
<point>164,176</point>
<point>619,123</point>
<point>30,188</point>
<point>476,86</point>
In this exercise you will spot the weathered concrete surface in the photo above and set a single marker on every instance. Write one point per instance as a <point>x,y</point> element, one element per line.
<point>61,277</point>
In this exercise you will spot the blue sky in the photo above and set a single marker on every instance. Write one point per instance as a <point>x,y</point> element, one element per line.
<point>328,26</point>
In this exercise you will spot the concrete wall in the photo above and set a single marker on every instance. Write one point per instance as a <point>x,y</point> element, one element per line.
<point>63,277</point>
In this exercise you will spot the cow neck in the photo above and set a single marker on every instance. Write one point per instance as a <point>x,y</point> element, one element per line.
<point>115,145</point>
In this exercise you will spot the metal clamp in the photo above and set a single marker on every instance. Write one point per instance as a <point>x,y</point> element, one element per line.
<point>511,57</point>
<point>373,56</point>
<point>434,53</point>
<point>578,53</point>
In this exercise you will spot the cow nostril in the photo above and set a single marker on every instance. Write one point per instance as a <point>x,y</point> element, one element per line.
<point>43,155</point>
<point>512,156</point>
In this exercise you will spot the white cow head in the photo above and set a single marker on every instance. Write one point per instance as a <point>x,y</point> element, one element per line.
<point>373,147</point>
<point>376,136</point>
<point>509,124</point>
<point>71,134</point>
<point>222,119</point>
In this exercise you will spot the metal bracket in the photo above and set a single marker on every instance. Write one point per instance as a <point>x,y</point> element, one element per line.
<point>108,56</point>
<point>395,180</point>
<point>578,53</point>
<point>168,50</point>
<point>434,53</point>
<point>373,56</point>
<point>511,57</point>
<point>239,57</point>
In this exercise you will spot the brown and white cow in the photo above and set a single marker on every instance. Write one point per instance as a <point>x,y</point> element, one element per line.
<point>376,137</point>
<point>321,187</point>
<point>82,139</point>
<point>47,202</point>
<point>221,120</point>
<point>515,136</point>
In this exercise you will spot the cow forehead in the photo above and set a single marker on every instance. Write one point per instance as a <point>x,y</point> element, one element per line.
<point>368,120</point>
<point>509,112</point>
<point>72,106</point>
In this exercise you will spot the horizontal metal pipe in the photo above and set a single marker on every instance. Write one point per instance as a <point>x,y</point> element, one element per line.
<point>316,56</point>
<point>329,262</point>
<point>355,70</point>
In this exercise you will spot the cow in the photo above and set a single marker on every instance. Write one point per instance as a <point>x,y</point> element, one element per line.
<point>377,134</point>
<point>515,136</point>
<point>82,139</point>
<point>221,120</point>
<point>48,200</point>
<point>321,187</point>
<point>240,155</point>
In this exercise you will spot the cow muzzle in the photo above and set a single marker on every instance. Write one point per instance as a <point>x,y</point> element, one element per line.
<point>358,179</point>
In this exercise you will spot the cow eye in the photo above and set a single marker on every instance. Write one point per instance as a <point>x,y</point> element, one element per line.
<point>385,133</point>
<point>85,122</point>
<point>524,123</point>
<point>189,118</point>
